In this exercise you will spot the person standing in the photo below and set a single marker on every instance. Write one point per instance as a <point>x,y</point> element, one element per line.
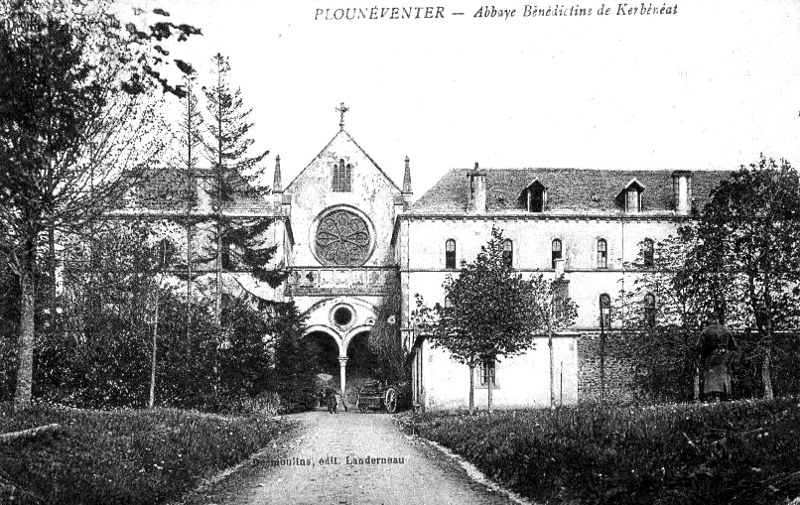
<point>715,348</point>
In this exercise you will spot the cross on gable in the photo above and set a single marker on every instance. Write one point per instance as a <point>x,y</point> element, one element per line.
<point>341,109</point>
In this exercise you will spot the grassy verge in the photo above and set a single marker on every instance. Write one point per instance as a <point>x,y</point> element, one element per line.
<point>122,457</point>
<point>741,452</point>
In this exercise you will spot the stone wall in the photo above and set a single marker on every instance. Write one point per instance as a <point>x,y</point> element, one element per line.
<point>604,373</point>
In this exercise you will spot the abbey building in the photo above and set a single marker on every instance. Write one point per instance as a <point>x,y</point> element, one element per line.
<point>352,238</point>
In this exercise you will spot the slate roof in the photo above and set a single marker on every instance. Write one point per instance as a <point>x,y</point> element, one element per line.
<point>166,189</point>
<point>569,190</point>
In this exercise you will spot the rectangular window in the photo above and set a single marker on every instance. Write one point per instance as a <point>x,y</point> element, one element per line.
<point>341,177</point>
<point>487,374</point>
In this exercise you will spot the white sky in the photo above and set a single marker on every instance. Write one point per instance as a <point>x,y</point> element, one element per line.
<point>707,88</point>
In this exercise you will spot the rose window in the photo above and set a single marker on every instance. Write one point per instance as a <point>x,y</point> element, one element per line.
<point>342,239</point>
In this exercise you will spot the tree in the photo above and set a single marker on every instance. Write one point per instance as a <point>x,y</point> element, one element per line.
<point>68,138</point>
<point>186,160</point>
<point>554,311</point>
<point>238,244</point>
<point>384,341</point>
<point>492,312</point>
<point>294,358</point>
<point>749,233</point>
<point>661,314</point>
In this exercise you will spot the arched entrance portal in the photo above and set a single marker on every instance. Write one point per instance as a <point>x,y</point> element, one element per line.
<point>362,363</point>
<point>325,352</point>
<point>341,325</point>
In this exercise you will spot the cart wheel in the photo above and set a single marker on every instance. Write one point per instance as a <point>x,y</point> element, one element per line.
<point>391,400</point>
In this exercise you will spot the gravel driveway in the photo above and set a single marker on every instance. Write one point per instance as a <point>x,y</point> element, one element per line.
<point>349,458</point>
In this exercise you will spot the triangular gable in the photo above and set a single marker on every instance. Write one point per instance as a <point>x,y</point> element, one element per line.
<point>632,183</point>
<point>326,148</point>
<point>530,185</point>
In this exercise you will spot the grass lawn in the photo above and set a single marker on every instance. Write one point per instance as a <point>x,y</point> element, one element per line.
<point>122,457</point>
<point>745,452</point>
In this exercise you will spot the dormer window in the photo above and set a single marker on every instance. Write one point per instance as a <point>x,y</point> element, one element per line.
<point>534,197</point>
<point>631,197</point>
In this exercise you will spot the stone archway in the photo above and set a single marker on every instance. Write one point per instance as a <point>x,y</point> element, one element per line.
<point>362,362</point>
<point>343,319</point>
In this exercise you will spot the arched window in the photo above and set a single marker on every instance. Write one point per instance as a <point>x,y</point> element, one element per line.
<point>650,309</point>
<point>341,177</point>
<point>450,253</point>
<point>508,252</point>
<point>602,253</point>
<point>648,250</point>
<point>556,252</point>
<point>605,311</point>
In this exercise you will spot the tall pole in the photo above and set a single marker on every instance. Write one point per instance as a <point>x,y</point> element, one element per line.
<point>602,351</point>
<point>153,355</point>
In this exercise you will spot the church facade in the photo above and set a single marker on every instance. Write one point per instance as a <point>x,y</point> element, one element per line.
<point>352,238</point>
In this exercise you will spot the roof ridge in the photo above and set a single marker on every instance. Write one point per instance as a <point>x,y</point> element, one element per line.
<point>287,190</point>
<point>568,188</point>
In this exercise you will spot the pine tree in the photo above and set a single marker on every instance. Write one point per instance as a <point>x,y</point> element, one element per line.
<point>187,158</point>
<point>238,247</point>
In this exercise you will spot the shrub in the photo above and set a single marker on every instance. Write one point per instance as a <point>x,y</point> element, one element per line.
<point>739,452</point>
<point>131,457</point>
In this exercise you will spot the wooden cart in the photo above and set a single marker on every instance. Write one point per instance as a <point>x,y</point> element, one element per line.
<point>377,395</point>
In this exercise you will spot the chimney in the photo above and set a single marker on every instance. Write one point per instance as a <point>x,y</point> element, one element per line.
<point>682,191</point>
<point>477,190</point>
<point>559,267</point>
<point>407,193</point>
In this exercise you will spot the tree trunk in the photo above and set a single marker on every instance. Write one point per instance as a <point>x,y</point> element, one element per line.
<point>552,370</point>
<point>155,349</point>
<point>489,387</point>
<point>696,384</point>
<point>220,181</point>
<point>51,242</point>
<point>766,376</point>
<point>24,387</point>
<point>218,268</point>
<point>471,389</point>
<point>188,274</point>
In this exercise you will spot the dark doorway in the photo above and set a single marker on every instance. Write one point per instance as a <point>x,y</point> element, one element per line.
<point>325,352</point>
<point>362,363</point>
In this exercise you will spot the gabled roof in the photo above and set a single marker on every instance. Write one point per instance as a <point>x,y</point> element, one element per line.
<point>167,188</point>
<point>348,138</point>
<point>636,185</point>
<point>522,197</point>
<point>568,190</point>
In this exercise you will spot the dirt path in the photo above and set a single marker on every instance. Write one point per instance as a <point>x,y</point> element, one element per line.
<point>412,472</point>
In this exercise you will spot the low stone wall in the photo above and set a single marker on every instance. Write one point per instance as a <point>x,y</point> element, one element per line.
<point>604,372</point>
